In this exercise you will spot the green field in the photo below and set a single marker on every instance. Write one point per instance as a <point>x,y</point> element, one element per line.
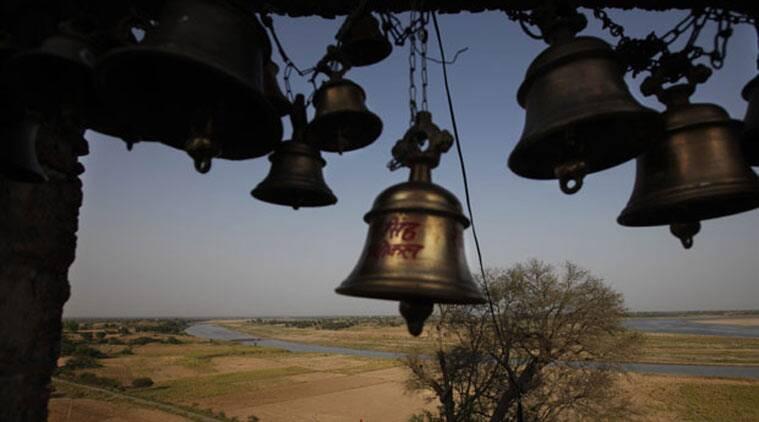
<point>215,380</point>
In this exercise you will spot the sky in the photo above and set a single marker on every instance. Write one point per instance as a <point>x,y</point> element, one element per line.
<point>158,239</point>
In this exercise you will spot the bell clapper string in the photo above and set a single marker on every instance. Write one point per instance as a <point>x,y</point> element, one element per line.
<point>478,249</point>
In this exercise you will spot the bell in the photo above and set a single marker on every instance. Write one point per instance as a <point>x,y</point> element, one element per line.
<point>18,151</point>
<point>751,122</point>
<point>414,252</point>
<point>271,89</point>
<point>696,172</point>
<point>342,121</point>
<point>203,66</point>
<point>296,176</point>
<point>361,41</point>
<point>58,74</point>
<point>581,118</point>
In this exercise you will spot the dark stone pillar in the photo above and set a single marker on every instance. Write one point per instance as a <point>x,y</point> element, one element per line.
<point>38,225</point>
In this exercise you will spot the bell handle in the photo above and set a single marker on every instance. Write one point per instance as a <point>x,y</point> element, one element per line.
<point>299,118</point>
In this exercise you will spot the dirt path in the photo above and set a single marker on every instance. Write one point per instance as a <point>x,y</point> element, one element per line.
<point>144,402</point>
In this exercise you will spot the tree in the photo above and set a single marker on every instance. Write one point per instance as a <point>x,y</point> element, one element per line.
<point>546,342</point>
<point>70,325</point>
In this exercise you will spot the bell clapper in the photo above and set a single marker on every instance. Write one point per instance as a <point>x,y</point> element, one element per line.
<point>685,232</point>
<point>203,148</point>
<point>571,175</point>
<point>415,314</point>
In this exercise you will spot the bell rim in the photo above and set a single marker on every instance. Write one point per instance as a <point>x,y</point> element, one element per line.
<point>265,192</point>
<point>291,147</point>
<point>385,48</point>
<point>638,214</point>
<point>748,89</point>
<point>543,63</point>
<point>391,288</point>
<point>15,66</point>
<point>330,83</point>
<point>646,118</point>
<point>256,98</point>
<point>455,210</point>
<point>714,116</point>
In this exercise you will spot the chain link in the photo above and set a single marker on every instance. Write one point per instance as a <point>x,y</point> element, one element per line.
<point>412,95</point>
<point>652,53</point>
<point>425,80</point>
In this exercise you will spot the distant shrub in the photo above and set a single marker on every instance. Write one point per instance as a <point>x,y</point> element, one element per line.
<point>67,346</point>
<point>86,336</point>
<point>141,341</point>
<point>81,362</point>
<point>143,382</point>
<point>100,335</point>
<point>84,350</point>
<point>124,331</point>
<point>115,340</point>
<point>70,325</point>
<point>172,340</point>
<point>126,351</point>
<point>254,418</point>
<point>92,379</point>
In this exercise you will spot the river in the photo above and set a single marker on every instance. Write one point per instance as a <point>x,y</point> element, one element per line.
<point>214,332</point>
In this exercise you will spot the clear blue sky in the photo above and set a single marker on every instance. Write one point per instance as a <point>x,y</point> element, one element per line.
<point>158,239</point>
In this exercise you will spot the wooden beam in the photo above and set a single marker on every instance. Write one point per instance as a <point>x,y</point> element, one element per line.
<point>333,8</point>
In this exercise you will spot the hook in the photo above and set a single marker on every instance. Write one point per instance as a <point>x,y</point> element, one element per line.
<point>571,175</point>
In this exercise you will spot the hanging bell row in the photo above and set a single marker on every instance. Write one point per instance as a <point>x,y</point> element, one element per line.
<point>414,251</point>
<point>580,115</point>
<point>695,172</point>
<point>201,81</point>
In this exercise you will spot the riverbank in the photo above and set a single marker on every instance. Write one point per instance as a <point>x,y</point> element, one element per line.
<point>390,341</point>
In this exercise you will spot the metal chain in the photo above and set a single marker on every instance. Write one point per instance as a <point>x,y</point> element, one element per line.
<point>653,51</point>
<point>289,64</point>
<point>524,19</point>
<point>424,36</point>
<point>412,75</point>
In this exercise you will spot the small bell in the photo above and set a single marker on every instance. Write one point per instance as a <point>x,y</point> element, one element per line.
<point>414,252</point>
<point>58,74</point>
<point>272,92</point>
<point>18,151</point>
<point>751,122</point>
<point>342,121</point>
<point>204,62</point>
<point>361,41</point>
<point>580,115</point>
<point>295,178</point>
<point>696,172</point>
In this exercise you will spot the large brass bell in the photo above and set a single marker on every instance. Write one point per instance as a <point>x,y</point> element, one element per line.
<point>695,172</point>
<point>581,118</point>
<point>361,41</point>
<point>342,122</point>
<point>751,122</point>
<point>414,252</point>
<point>18,150</point>
<point>296,176</point>
<point>58,75</point>
<point>196,82</point>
